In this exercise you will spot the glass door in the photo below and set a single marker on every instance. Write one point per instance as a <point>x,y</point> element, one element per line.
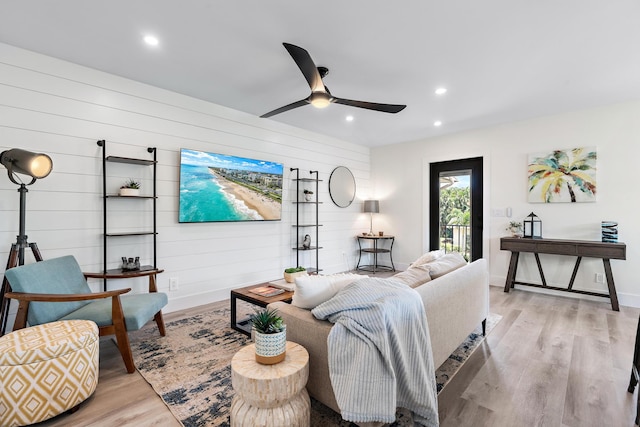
<point>456,207</point>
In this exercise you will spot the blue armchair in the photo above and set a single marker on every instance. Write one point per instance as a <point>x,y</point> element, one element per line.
<point>56,289</point>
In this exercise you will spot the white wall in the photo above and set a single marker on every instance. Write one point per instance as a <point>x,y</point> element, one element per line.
<point>62,109</point>
<point>400,180</point>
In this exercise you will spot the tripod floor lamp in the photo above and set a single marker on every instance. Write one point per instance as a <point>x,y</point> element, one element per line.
<point>35,166</point>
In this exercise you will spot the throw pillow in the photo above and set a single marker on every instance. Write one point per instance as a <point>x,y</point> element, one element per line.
<point>446,264</point>
<point>414,276</point>
<point>428,257</point>
<point>311,291</point>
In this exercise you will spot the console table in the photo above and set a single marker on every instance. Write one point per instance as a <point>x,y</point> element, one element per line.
<point>375,250</point>
<point>577,248</point>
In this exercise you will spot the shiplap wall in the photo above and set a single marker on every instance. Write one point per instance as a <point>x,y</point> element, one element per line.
<point>62,109</point>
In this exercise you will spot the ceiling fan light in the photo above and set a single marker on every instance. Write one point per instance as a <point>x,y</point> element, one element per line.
<point>320,99</point>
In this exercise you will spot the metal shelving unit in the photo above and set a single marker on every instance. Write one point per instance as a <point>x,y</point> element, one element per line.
<point>300,227</point>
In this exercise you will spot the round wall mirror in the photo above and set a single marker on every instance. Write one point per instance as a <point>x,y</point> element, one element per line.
<point>342,187</point>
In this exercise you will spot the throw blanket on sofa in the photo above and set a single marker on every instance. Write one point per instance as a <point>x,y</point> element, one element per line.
<point>380,352</point>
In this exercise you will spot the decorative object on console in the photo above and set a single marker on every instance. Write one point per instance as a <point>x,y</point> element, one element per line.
<point>563,176</point>
<point>130,188</point>
<point>342,187</point>
<point>610,231</point>
<point>532,227</point>
<point>270,336</point>
<point>36,166</point>
<point>515,228</point>
<point>371,207</point>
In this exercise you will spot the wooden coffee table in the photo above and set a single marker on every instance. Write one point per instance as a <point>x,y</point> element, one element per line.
<point>243,294</point>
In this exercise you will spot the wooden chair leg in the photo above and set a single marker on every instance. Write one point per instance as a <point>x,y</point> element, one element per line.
<point>160,322</point>
<point>122,337</point>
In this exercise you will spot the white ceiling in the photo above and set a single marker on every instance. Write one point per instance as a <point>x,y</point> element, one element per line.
<point>501,60</point>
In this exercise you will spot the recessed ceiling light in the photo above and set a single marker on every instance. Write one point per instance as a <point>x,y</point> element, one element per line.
<point>349,118</point>
<point>441,91</point>
<point>151,40</point>
<point>437,123</point>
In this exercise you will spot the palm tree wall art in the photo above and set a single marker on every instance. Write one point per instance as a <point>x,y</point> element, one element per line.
<point>563,176</point>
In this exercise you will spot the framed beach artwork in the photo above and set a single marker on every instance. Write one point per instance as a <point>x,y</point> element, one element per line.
<point>563,176</point>
<point>217,187</point>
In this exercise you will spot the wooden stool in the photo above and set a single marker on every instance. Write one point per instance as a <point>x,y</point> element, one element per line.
<point>270,395</point>
<point>634,372</point>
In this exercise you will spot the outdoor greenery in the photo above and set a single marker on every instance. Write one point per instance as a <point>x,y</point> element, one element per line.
<point>455,206</point>
<point>455,213</point>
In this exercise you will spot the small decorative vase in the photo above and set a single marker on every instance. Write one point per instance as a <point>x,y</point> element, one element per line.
<point>129,192</point>
<point>271,348</point>
<point>308,197</point>
<point>291,277</point>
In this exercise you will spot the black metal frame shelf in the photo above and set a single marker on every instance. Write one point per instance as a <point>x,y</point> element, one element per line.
<point>299,204</point>
<point>148,269</point>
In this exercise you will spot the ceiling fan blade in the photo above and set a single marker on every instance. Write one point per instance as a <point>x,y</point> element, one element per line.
<point>385,108</point>
<point>291,106</point>
<point>306,65</point>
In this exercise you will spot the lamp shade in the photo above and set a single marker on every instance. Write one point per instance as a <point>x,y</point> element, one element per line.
<point>36,165</point>
<point>371,206</point>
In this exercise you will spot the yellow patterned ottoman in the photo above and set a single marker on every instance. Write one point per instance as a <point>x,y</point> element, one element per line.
<point>46,370</point>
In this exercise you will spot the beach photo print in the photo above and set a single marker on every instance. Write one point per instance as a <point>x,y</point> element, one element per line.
<point>217,187</point>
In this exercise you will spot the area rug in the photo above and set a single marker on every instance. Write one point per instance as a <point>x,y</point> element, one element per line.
<point>190,369</point>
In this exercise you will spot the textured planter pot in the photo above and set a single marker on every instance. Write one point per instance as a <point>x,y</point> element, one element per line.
<point>129,192</point>
<point>271,348</point>
<point>291,277</point>
<point>308,197</point>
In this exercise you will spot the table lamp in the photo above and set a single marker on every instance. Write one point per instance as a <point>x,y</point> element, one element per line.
<point>371,207</point>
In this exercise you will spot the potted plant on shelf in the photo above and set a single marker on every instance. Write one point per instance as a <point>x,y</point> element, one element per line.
<point>290,274</point>
<point>130,188</point>
<point>515,228</point>
<point>270,336</point>
<point>308,195</point>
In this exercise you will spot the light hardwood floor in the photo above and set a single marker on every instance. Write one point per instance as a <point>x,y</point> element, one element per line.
<point>550,361</point>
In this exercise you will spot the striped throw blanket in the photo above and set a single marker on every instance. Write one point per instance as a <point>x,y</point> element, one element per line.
<point>380,352</point>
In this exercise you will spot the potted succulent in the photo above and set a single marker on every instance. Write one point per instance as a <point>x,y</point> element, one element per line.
<point>515,228</point>
<point>270,336</point>
<point>290,274</point>
<point>308,195</point>
<point>130,188</point>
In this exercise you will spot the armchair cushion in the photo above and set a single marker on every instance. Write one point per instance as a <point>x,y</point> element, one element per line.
<point>40,277</point>
<point>138,310</point>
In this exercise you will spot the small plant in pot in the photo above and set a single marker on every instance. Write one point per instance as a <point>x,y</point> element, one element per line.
<point>290,274</point>
<point>515,228</point>
<point>130,188</point>
<point>270,336</point>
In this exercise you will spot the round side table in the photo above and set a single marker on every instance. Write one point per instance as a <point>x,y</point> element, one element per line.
<point>270,395</point>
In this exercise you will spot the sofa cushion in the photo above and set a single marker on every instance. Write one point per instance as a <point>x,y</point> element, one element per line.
<point>415,276</point>
<point>446,264</point>
<point>311,291</point>
<point>428,257</point>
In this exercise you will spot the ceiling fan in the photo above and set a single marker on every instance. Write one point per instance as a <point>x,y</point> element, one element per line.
<point>320,96</point>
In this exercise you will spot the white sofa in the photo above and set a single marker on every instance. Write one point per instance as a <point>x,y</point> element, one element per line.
<point>455,304</point>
